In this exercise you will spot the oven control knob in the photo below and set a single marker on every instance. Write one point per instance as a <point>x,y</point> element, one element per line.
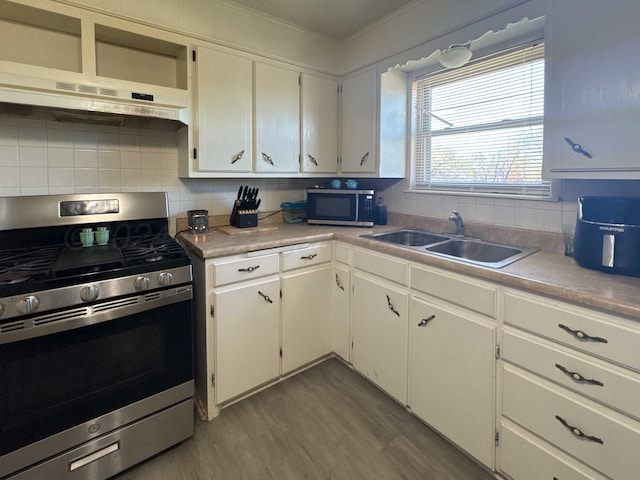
<point>89,293</point>
<point>28,304</point>
<point>165,279</point>
<point>141,284</point>
<point>1,309</point>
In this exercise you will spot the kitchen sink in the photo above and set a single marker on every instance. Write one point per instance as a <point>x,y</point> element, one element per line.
<point>408,238</point>
<point>479,252</point>
<point>469,250</point>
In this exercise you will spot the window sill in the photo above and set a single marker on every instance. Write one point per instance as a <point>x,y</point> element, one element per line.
<point>511,196</point>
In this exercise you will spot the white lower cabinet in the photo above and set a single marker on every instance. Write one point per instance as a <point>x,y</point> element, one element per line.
<point>452,375</point>
<point>570,382</point>
<point>380,314</point>
<point>340,329</point>
<point>526,457</point>
<point>595,435</point>
<point>247,340</point>
<point>306,316</point>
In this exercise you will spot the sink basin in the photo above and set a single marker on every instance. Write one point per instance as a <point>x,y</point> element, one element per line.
<point>467,250</point>
<point>409,238</point>
<point>479,252</point>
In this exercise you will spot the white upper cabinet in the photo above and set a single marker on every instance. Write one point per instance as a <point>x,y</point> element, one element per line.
<point>373,141</point>
<point>592,107</point>
<point>69,51</point>
<point>319,124</point>
<point>223,111</point>
<point>277,119</point>
<point>358,126</point>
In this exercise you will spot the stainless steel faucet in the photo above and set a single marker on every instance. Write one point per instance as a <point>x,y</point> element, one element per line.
<point>457,219</point>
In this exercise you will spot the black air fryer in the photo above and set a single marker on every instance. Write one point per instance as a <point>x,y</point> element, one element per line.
<point>608,234</point>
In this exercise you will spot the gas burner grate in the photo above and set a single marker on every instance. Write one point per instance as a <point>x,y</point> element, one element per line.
<point>150,249</point>
<point>22,265</point>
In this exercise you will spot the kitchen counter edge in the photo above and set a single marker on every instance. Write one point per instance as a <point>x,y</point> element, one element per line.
<point>546,273</point>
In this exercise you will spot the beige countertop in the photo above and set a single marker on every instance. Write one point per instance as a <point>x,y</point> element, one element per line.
<point>543,272</point>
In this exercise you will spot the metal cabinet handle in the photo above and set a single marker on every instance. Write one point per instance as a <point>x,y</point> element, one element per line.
<point>424,321</point>
<point>309,257</point>
<point>249,269</point>
<point>577,377</point>
<point>577,432</point>
<point>237,157</point>
<point>576,147</point>
<point>267,158</point>
<point>580,335</point>
<point>312,159</point>
<point>391,307</point>
<point>266,297</point>
<point>364,158</point>
<point>339,283</point>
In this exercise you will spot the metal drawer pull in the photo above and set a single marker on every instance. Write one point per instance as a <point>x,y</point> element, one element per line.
<point>266,297</point>
<point>309,257</point>
<point>578,433</point>
<point>580,335</point>
<point>391,307</point>
<point>312,159</point>
<point>576,147</point>
<point>364,158</point>
<point>267,158</point>
<point>237,157</point>
<point>424,321</point>
<point>577,377</point>
<point>339,283</point>
<point>249,269</point>
<point>92,457</point>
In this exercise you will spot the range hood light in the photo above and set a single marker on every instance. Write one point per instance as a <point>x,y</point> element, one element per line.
<point>97,118</point>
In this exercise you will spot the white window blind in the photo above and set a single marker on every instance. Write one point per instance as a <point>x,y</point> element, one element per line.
<point>478,128</point>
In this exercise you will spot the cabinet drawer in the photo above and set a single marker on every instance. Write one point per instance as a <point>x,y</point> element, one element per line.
<point>609,337</point>
<point>239,269</point>
<point>524,457</point>
<point>541,407</point>
<point>343,253</point>
<point>306,257</point>
<point>607,383</point>
<point>386,267</point>
<point>469,294</point>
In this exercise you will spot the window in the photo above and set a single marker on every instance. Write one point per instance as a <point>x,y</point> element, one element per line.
<point>478,128</point>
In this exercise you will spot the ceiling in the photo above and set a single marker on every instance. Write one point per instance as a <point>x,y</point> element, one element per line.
<point>335,19</point>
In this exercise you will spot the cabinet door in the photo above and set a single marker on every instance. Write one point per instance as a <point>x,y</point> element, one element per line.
<point>380,313</point>
<point>319,124</point>
<point>340,331</point>
<point>591,87</point>
<point>247,319</point>
<point>277,119</point>
<point>452,376</point>
<point>224,97</point>
<point>359,108</point>
<point>306,317</point>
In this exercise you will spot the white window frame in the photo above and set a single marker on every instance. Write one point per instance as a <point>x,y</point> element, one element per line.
<point>524,191</point>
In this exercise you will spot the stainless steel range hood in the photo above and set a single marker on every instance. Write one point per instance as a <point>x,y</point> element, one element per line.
<point>86,103</point>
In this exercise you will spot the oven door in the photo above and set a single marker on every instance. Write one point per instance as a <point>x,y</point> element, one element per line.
<point>58,390</point>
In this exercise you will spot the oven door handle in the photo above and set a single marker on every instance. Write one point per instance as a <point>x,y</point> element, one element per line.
<point>92,457</point>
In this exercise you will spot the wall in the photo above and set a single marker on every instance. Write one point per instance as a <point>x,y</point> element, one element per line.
<point>228,24</point>
<point>39,157</point>
<point>409,33</point>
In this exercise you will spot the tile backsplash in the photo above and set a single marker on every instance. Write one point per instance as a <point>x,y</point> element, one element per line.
<point>39,157</point>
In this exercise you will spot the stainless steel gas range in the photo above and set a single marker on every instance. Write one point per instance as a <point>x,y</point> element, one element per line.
<point>96,359</point>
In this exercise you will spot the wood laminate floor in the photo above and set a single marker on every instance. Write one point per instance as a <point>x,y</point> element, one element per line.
<point>325,423</point>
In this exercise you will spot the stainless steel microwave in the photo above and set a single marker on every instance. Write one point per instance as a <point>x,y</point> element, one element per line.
<point>340,207</point>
